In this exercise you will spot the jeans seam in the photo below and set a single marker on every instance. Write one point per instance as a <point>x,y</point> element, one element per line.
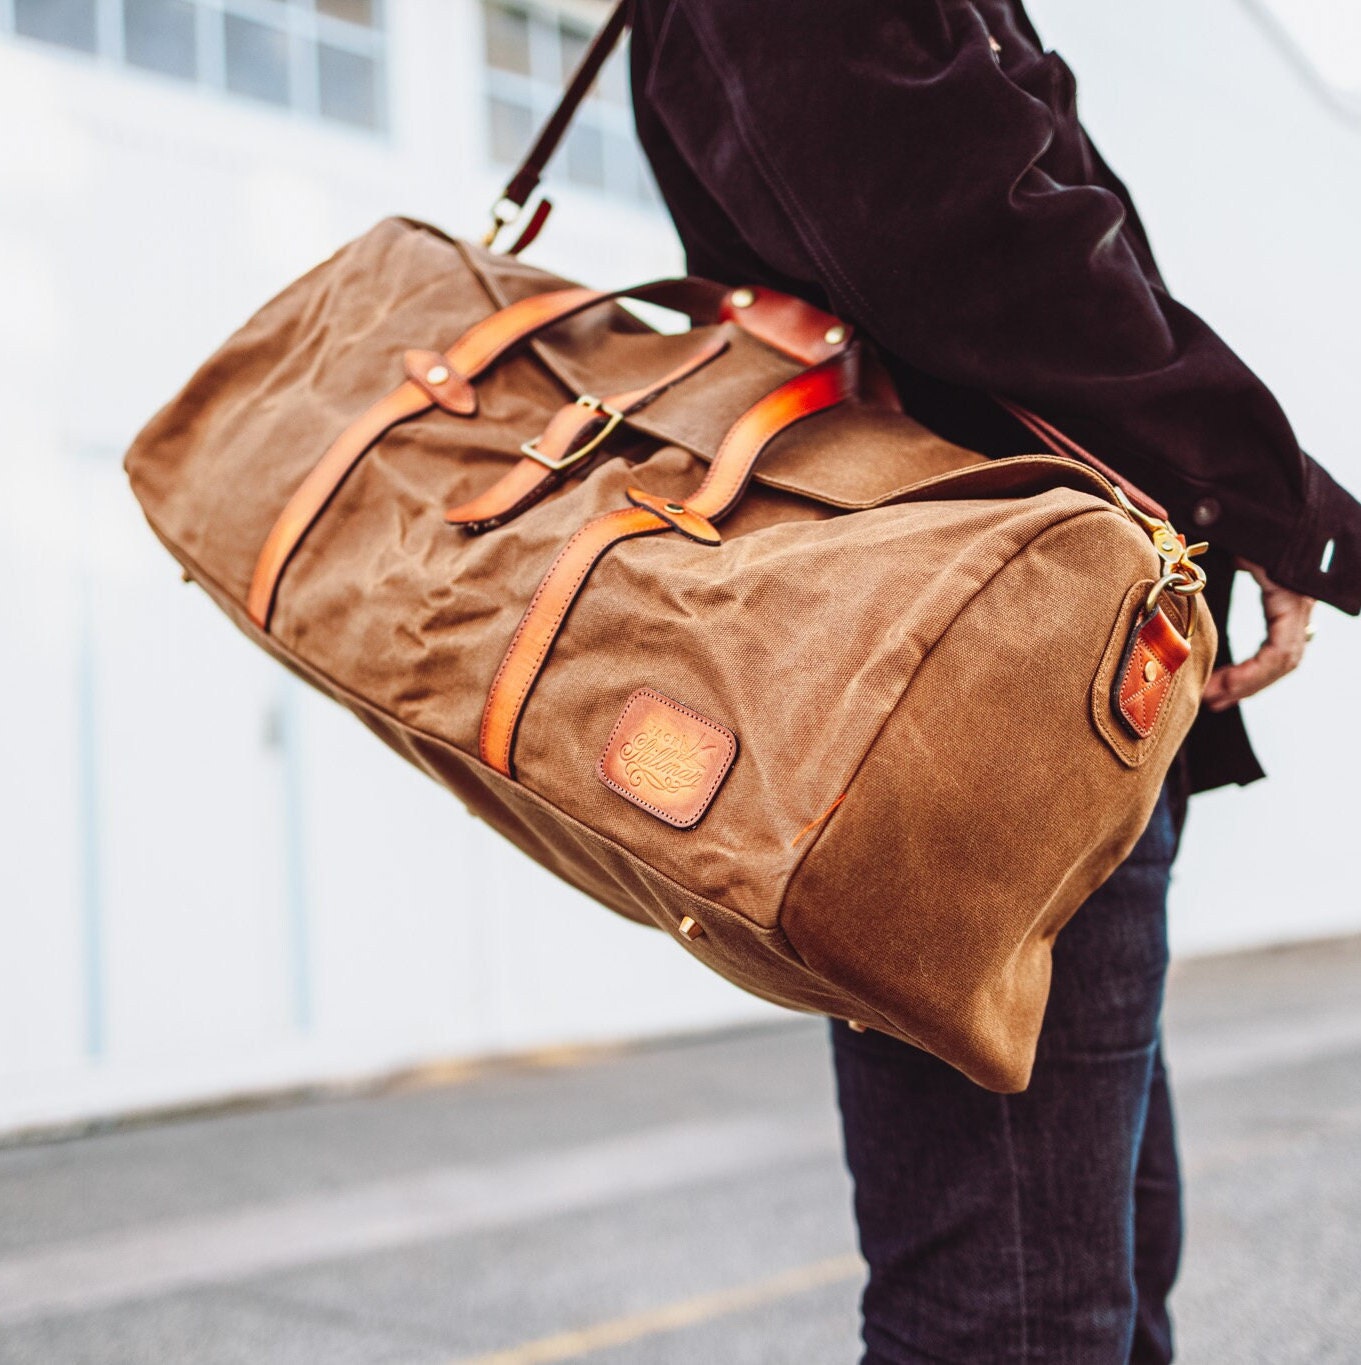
<point>1017,1223</point>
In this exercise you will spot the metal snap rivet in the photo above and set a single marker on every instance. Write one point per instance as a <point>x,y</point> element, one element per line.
<point>834,336</point>
<point>1150,671</point>
<point>743,298</point>
<point>437,374</point>
<point>690,928</point>
<point>673,507</point>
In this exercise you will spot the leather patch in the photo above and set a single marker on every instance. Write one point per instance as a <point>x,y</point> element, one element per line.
<point>666,758</point>
<point>1154,653</point>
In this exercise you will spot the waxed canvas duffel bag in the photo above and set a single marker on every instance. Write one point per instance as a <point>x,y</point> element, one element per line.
<point>856,715</point>
<point>700,620</point>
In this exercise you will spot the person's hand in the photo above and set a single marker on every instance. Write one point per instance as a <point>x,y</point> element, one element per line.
<point>1287,632</point>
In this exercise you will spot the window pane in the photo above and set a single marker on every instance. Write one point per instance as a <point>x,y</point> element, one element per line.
<point>507,39</point>
<point>68,22</point>
<point>257,60</point>
<point>347,87</point>
<point>572,44</point>
<point>512,125</point>
<point>586,156</point>
<point>356,11</point>
<point>159,35</point>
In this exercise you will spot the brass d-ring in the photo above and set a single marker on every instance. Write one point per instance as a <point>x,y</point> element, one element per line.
<point>1179,583</point>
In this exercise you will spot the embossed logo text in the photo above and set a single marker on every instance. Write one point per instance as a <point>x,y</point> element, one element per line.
<point>667,759</point>
<point>664,760</point>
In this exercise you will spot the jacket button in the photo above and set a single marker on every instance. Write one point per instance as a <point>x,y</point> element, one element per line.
<point>1206,512</point>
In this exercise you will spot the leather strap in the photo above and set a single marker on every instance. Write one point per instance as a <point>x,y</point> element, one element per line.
<point>526,482</point>
<point>529,172</point>
<point>478,348</point>
<point>1064,445</point>
<point>788,324</point>
<point>317,489</point>
<point>810,392</point>
<point>544,616</point>
<point>814,390</point>
<point>531,229</point>
<point>1156,649</point>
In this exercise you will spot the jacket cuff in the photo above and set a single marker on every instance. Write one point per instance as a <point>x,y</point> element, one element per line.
<point>1322,557</point>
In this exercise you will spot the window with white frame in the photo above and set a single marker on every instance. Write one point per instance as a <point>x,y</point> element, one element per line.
<point>530,51</point>
<point>322,57</point>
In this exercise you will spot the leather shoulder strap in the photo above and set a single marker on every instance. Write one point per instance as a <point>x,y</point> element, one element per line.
<point>530,171</point>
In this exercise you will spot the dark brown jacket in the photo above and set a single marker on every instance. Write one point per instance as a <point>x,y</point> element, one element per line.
<point>920,170</point>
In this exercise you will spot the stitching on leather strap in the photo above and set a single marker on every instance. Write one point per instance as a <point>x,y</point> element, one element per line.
<point>483,343</point>
<point>809,393</point>
<point>317,489</point>
<point>633,521</point>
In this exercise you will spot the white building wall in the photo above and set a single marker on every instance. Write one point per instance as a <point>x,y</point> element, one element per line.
<point>210,879</point>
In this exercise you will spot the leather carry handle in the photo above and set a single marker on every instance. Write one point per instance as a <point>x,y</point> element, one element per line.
<point>813,391</point>
<point>445,379</point>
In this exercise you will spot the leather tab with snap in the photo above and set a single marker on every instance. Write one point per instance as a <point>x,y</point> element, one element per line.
<point>685,521</point>
<point>431,372</point>
<point>1156,650</point>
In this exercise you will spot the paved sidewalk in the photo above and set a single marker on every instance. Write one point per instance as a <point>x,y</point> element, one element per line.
<point>679,1204</point>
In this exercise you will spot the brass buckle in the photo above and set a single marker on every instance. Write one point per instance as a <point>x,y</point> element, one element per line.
<point>612,418</point>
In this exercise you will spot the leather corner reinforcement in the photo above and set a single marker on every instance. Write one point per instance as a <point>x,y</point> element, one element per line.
<point>1155,652</point>
<point>666,758</point>
<point>1139,673</point>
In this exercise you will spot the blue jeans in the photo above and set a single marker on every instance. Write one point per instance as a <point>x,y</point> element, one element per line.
<point>1044,1226</point>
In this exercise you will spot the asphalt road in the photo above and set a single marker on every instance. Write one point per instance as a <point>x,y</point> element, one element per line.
<point>675,1204</point>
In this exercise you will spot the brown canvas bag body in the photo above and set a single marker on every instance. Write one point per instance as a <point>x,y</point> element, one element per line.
<point>855,715</point>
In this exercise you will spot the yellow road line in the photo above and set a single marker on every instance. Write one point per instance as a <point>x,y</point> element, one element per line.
<point>672,1317</point>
